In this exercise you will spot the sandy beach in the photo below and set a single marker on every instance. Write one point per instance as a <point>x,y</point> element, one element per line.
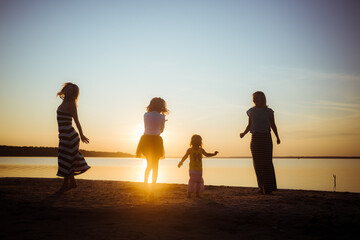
<point>121,210</point>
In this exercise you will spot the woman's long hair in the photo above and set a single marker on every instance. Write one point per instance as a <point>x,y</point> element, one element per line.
<point>259,99</point>
<point>158,104</point>
<point>69,92</point>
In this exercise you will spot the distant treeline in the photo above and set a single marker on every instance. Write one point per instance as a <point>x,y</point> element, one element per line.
<point>14,151</point>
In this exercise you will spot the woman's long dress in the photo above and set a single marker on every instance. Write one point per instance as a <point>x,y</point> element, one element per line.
<point>70,160</point>
<point>262,149</point>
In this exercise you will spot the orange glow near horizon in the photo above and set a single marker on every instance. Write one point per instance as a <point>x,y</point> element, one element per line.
<point>176,142</point>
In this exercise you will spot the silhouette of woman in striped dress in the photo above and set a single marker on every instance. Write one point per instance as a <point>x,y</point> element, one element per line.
<point>261,119</point>
<point>70,160</point>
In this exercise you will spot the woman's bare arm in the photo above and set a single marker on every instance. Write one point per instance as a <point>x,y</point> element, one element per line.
<point>274,128</point>
<point>78,125</point>
<point>247,129</point>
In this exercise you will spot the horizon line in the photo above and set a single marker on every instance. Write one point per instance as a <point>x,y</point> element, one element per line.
<point>133,156</point>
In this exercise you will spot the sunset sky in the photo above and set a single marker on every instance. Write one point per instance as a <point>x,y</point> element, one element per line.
<point>205,58</point>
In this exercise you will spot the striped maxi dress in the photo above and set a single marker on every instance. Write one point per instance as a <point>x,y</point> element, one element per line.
<point>262,150</point>
<point>70,160</point>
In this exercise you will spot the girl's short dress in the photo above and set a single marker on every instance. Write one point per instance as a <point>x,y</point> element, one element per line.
<point>150,147</point>
<point>196,181</point>
<point>70,160</point>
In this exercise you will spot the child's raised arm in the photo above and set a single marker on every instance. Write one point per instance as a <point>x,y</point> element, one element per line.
<point>209,154</point>
<point>184,158</point>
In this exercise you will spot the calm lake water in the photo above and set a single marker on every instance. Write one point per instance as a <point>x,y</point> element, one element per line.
<point>307,174</point>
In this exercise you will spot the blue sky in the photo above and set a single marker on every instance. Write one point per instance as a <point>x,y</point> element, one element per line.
<point>205,58</point>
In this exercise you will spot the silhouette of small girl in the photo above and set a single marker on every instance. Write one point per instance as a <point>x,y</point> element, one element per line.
<point>261,119</point>
<point>151,143</point>
<point>70,160</point>
<point>196,181</point>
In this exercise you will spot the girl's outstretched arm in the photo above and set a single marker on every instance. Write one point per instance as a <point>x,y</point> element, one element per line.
<point>274,128</point>
<point>247,129</point>
<point>209,154</point>
<point>184,158</point>
<point>78,125</point>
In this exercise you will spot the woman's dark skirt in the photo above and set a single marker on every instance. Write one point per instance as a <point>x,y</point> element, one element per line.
<point>262,149</point>
<point>150,147</point>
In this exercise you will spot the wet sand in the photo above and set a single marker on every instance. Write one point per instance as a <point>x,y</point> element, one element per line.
<point>122,210</point>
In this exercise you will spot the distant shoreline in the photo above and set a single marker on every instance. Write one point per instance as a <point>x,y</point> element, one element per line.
<point>26,151</point>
